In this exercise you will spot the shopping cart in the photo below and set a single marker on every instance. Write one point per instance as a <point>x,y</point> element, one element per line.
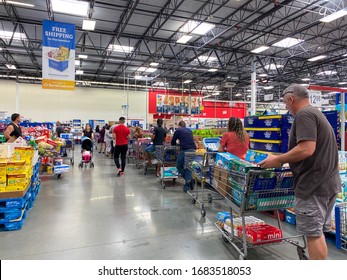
<point>200,166</point>
<point>167,158</point>
<point>256,190</point>
<point>211,144</point>
<point>138,151</point>
<point>131,151</point>
<point>68,152</point>
<point>341,225</point>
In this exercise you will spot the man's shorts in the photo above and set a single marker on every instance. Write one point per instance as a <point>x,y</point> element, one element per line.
<point>150,149</point>
<point>313,215</point>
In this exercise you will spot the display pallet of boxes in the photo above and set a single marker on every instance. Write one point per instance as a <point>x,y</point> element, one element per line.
<point>333,118</point>
<point>269,133</point>
<point>19,189</point>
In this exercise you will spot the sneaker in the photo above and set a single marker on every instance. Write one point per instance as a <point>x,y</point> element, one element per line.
<point>122,173</point>
<point>119,171</point>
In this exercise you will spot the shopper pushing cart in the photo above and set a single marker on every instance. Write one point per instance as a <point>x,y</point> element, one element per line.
<point>158,138</point>
<point>187,144</point>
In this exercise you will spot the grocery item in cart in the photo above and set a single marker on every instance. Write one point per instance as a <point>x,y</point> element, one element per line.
<point>224,159</point>
<point>241,165</point>
<point>261,233</point>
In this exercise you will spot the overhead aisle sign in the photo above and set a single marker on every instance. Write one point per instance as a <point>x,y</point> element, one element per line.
<point>58,55</point>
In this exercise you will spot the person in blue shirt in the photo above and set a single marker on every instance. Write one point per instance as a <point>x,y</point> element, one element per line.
<point>187,144</point>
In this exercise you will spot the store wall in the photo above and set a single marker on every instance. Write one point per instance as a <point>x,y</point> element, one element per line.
<point>83,103</point>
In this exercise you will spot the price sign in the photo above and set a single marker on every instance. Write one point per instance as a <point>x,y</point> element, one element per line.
<point>315,98</point>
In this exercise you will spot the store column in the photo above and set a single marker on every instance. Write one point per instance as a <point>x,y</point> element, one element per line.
<point>253,87</point>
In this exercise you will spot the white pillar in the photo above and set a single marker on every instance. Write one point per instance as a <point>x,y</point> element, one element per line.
<point>17,97</point>
<point>146,117</point>
<point>253,88</point>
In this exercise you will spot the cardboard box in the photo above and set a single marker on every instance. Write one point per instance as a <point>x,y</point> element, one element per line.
<point>17,180</point>
<point>16,167</point>
<point>3,180</point>
<point>224,159</point>
<point>3,168</point>
<point>6,151</point>
<point>15,188</point>
<point>14,194</point>
<point>24,152</point>
<point>242,166</point>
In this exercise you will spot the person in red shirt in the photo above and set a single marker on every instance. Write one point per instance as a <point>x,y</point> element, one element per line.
<point>236,140</point>
<point>121,134</point>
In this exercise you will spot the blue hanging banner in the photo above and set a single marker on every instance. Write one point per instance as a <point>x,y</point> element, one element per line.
<point>58,55</point>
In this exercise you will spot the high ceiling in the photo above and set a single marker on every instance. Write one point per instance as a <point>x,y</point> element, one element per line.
<point>152,28</point>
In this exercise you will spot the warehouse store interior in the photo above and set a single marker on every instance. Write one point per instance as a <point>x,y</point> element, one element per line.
<point>197,61</point>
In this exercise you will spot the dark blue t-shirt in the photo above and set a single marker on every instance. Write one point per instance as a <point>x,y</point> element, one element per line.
<point>186,138</point>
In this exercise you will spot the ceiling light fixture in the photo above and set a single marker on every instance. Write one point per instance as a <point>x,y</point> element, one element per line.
<point>184,39</point>
<point>238,94</point>
<point>154,64</point>
<point>327,72</point>
<point>196,27</point>
<point>287,42</point>
<point>305,79</point>
<point>77,62</point>
<point>269,87</point>
<point>18,3</point>
<point>8,35</point>
<point>263,75</point>
<point>79,72</point>
<point>207,96</point>
<point>119,48</point>
<point>151,70</point>
<point>141,69</point>
<point>334,16</point>
<point>342,83</point>
<point>71,7</point>
<point>319,57</point>
<point>212,70</point>
<point>207,58</point>
<point>187,81</point>
<point>82,56</point>
<point>11,66</point>
<point>260,49</point>
<point>273,66</point>
<point>138,77</point>
<point>216,93</point>
<point>88,24</point>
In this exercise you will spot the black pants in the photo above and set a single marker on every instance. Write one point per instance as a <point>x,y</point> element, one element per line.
<point>112,148</point>
<point>122,151</point>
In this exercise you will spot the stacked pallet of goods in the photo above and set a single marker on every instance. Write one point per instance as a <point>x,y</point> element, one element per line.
<point>269,133</point>
<point>19,184</point>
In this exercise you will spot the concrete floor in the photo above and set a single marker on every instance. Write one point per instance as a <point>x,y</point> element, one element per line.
<point>92,214</point>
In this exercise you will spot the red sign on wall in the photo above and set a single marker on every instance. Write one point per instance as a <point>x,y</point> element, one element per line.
<point>211,109</point>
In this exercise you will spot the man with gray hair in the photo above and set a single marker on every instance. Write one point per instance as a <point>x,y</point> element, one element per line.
<point>313,159</point>
<point>187,144</point>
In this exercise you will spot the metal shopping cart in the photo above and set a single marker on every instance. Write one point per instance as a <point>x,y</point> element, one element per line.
<point>167,158</point>
<point>138,151</point>
<point>131,151</point>
<point>256,190</point>
<point>200,166</point>
<point>341,225</point>
<point>68,152</point>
